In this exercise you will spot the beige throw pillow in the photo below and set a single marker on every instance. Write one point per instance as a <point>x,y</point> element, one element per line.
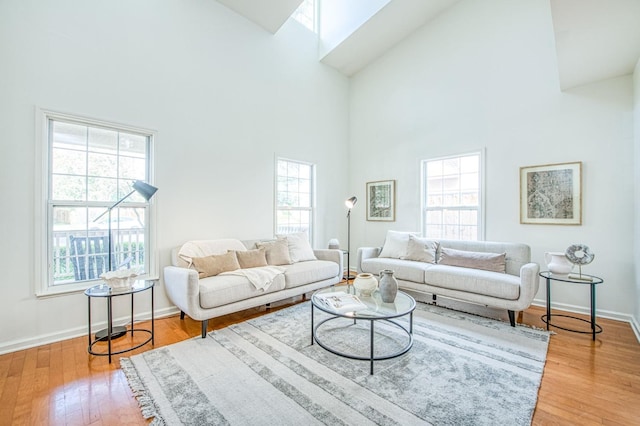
<point>277,251</point>
<point>215,264</point>
<point>421,249</point>
<point>495,262</point>
<point>252,258</point>
<point>299,248</point>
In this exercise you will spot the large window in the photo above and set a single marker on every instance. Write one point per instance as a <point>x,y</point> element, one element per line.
<point>89,166</point>
<point>294,197</point>
<point>452,197</point>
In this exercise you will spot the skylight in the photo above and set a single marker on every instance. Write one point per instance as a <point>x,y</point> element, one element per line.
<point>306,14</point>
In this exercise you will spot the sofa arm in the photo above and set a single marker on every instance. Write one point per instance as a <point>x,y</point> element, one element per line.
<point>183,289</point>
<point>332,255</point>
<point>529,282</point>
<point>366,253</point>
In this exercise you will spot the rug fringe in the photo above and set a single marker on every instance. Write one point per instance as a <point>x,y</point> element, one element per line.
<point>140,392</point>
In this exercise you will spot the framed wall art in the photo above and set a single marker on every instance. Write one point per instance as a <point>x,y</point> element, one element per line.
<point>381,200</point>
<point>551,194</point>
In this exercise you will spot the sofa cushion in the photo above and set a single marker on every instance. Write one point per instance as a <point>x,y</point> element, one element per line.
<point>277,251</point>
<point>406,270</point>
<point>472,259</point>
<point>299,248</point>
<point>494,284</point>
<point>252,258</point>
<point>224,289</point>
<point>395,245</point>
<point>215,264</point>
<point>302,273</point>
<point>421,249</point>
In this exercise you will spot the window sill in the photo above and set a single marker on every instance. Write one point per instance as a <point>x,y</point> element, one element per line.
<point>73,288</point>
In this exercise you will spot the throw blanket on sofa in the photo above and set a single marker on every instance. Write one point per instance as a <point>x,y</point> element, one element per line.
<point>260,277</point>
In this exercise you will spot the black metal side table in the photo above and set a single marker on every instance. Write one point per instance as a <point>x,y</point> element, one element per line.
<point>592,281</point>
<point>104,291</point>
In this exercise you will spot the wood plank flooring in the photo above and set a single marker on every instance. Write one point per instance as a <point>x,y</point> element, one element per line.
<point>584,382</point>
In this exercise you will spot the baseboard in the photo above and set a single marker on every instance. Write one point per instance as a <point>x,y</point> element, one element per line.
<point>44,339</point>
<point>635,326</point>
<point>601,313</point>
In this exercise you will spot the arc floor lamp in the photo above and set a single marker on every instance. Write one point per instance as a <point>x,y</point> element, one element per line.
<point>147,192</point>
<point>349,203</point>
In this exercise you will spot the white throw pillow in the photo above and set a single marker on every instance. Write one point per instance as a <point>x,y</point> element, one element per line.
<point>421,249</point>
<point>395,245</point>
<point>299,248</point>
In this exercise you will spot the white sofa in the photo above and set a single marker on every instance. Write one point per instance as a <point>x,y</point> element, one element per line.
<point>435,273</point>
<point>213,296</point>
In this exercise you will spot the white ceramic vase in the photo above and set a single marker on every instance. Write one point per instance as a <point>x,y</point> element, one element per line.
<point>365,284</point>
<point>558,263</point>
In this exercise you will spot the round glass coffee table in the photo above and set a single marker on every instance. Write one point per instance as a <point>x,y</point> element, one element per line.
<point>373,309</point>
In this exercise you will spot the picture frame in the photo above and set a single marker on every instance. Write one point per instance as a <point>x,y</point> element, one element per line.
<point>381,201</point>
<point>551,194</point>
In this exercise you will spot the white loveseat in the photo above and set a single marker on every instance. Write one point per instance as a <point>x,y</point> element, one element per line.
<point>494,274</point>
<point>203,298</point>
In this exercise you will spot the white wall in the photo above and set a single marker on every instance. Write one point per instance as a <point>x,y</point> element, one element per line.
<point>224,96</point>
<point>484,75</point>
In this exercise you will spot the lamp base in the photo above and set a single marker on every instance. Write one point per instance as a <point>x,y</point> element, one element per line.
<point>116,332</point>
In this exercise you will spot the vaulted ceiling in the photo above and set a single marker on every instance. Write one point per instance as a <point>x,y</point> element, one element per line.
<point>595,39</point>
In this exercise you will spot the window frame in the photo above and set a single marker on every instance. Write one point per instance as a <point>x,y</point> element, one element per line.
<point>43,250</point>
<point>312,197</point>
<point>481,191</point>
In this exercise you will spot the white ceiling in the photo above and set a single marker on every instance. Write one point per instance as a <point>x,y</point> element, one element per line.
<point>389,26</point>
<point>595,39</point>
<point>269,14</point>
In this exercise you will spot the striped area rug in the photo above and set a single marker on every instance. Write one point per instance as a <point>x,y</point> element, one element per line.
<point>462,370</point>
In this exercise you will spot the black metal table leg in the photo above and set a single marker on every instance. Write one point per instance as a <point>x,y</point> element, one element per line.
<point>132,314</point>
<point>312,323</point>
<point>153,317</point>
<point>89,335</point>
<point>109,325</point>
<point>548,302</point>
<point>371,370</point>
<point>411,322</point>
<point>593,311</point>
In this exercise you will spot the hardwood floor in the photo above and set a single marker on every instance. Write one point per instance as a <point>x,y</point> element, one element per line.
<point>584,382</point>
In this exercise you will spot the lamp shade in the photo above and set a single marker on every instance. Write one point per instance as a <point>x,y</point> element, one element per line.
<point>144,189</point>
<point>351,202</point>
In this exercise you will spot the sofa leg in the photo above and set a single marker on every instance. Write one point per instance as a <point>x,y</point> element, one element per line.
<point>268,305</point>
<point>204,328</point>
<point>181,315</point>
<point>512,318</point>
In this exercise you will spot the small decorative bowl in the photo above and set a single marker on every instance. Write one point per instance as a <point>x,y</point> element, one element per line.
<point>120,280</point>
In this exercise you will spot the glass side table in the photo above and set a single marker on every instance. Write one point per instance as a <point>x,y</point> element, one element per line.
<point>111,332</point>
<point>595,328</point>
